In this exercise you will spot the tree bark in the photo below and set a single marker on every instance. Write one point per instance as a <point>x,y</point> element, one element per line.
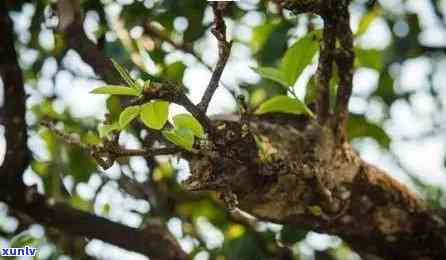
<point>285,169</point>
<point>310,181</point>
<point>153,241</point>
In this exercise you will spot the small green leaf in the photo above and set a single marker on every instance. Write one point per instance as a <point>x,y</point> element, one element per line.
<point>273,74</point>
<point>284,104</point>
<point>315,210</point>
<point>366,20</point>
<point>24,239</point>
<point>310,94</point>
<point>298,56</point>
<point>105,129</point>
<point>126,76</point>
<point>116,90</point>
<point>370,58</point>
<point>90,138</point>
<point>182,137</point>
<point>154,114</point>
<point>261,34</point>
<point>359,126</point>
<point>128,115</point>
<point>291,235</point>
<point>189,122</point>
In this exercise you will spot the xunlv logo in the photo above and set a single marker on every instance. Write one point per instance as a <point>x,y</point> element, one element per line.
<point>22,251</point>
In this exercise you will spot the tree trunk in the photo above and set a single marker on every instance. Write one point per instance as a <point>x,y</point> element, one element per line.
<point>306,178</point>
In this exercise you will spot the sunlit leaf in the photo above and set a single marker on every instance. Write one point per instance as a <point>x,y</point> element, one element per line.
<point>116,90</point>
<point>310,94</point>
<point>105,129</point>
<point>24,239</point>
<point>182,137</point>
<point>175,71</point>
<point>284,104</point>
<point>189,122</point>
<point>235,231</point>
<point>295,60</point>
<point>154,114</point>
<point>90,138</point>
<point>298,57</point>
<point>128,115</point>
<point>273,74</point>
<point>370,58</point>
<point>114,108</point>
<point>126,76</point>
<point>366,20</point>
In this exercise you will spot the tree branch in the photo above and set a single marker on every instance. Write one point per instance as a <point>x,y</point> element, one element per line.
<point>154,241</point>
<point>70,26</point>
<point>13,111</point>
<point>154,32</point>
<point>344,60</point>
<point>224,50</point>
<point>324,69</point>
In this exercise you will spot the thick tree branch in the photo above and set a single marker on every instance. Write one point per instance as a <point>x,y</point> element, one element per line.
<point>70,26</point>
<point>13,110</point>
<point>154,241</point>
<point>302,6</point>
<point>313,182</point>
<point>224,50</point>
<point>324,69</point>
<point>344,60</point>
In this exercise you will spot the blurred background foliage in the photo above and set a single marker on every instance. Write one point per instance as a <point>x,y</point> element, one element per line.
<point>398,105</point>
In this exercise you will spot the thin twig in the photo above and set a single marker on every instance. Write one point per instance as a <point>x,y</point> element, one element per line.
<point>224,49</point>
<point>186,48</point>
<point>68,138</point>
<point>155,32</point>
<point>147,152</point>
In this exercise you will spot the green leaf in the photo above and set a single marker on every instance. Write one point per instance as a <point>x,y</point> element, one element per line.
<point>298,56</point>
<point>105,129</point>
<point>154,114</point>
<point>24,239</point>
<point>114,108</point>
<point>359,126</point>
<point>182,137</point>
<point>261,34</point>
<point>273,74</point>
<point>366,20</point>
<point>284,104</point>
<point>116,90</point>
<point>310,94</point>
<point>290,235</point>
<point>128,115</point>
<point>189,122</point>
<point>370,58</point>
<point>295,60</point>
<point>90,138</point>
<point>126,76</point>
<point>174,71</point>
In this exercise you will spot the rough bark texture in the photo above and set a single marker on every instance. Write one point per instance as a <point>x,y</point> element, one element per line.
<point>308,180</point>
<point>285,169</point>
<point>154,240</point>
